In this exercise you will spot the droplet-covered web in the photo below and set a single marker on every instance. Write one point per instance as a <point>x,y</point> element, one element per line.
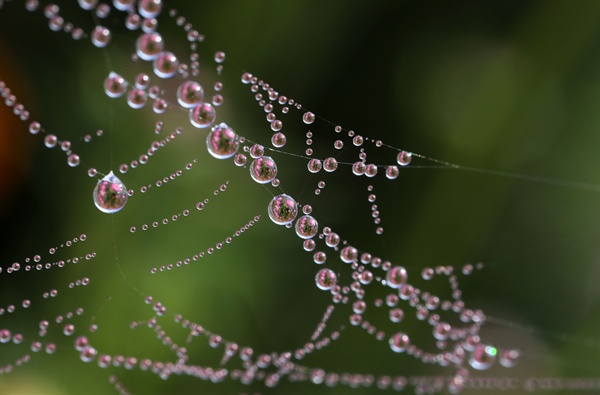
<point>363,291</point>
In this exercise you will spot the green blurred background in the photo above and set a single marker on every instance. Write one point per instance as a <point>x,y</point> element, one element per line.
<point>504,86</point>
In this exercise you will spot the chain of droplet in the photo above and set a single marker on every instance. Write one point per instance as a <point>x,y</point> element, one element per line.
<point>209,251</point>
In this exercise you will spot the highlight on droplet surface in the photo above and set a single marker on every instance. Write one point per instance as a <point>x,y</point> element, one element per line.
<point>110,194</point>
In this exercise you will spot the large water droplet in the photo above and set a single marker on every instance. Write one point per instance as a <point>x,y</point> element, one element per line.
<point>263,170</point>
<point>149,46</point>
<point>190,94</point>
<point>114,85</point>
<point>222,142</point>
<point>325,279</point>
<point>396,276</point>
<point>307,227</point>
<point>399,342</point>
<point>283,209</point>
<point>203,115</point>
<point>165,65</point>
<point>483,356</point>
<point>110,194</point>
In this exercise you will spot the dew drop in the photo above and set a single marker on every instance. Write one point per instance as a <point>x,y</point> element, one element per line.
<point>483,356</point>
<point>114,85</point>
<point>278,140</point>
<point>150,8</point>
<point>306,227</point>
<point>149,46</point>
<point>136,98</point>
<point>165,65</point>
<point>282,209</point>
<point>263,170</point>
<point>404,158</point>
<point>190,94</point>
<point>101,36</point>
<point>314,165</point>
<point>330,164</point>
<point>396,276</point>
<point>308,118</point>
<point>399,342</point>
<point>222,142</point>
<point>203,115</point>
<point>325,279</point>
<point>110,194</point>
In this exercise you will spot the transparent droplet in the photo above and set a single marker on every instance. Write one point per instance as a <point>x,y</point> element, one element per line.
<point>314,165</point>
<point>399,342</point>
<point>509,358</point>
<point>325,279</point>
<point>149,46</point>
<point>263,170</point>
<point>110,194</point>
<point>136,98</point>
<point>73,160</point>
<point>203,115</point>
<point>483,356</point>
<point>190,94</point>
<point>330,164</point>
<point>114,85</point>
<point>283,209</point>
<point>165,65</point>
<point>348,254</point>
<point>150,8</point>
<point>278,140</point>
<point>396,276</point>
<point>308,118</point>
<point>404,158</point>
<point>222,142</point>
<point>392,172</point>
<point>306,227</point>
<point>256,151</point>
<point>101,36</point>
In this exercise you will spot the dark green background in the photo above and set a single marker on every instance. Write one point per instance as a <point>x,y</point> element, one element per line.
<point>503,86</point>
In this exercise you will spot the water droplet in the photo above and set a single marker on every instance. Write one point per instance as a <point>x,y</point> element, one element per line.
<point>149,8</point>
<point>263,170</point>
<point>136,98</point>
<point>73,160</point>
<point>306,227</point>
<point>404,158</point>
<point>330,164</point>
<point>325,279</point>
<point>110,194</point>
<point>399,342</point>
<point>149,46</point>
<point>483,356</point>
<point>101,36</point>
<point>222,142</point>
<point>348,254</point>
<point>203,115</point>
<point>165,65</point>
<point>278,140</point>
<point>282,209</point>
<point>396,276</point>
<point>308,118</point>
<point>392,172</point>
<point>190,94</point>
<point>114,85</point>
<point>314,165</point>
